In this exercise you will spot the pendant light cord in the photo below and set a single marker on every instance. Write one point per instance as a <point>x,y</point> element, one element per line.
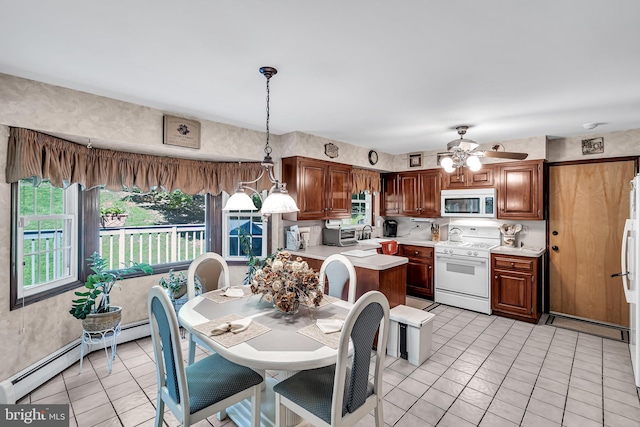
<point>267,147</point>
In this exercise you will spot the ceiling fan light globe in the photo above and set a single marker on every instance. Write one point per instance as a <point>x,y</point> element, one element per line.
<point>446,163</point>
<point>473,163</point>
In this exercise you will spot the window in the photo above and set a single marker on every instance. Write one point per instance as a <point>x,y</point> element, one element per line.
<point>158,227</point>
<point>241,227</point>
<point>46,236</point>
<point>360,210</point>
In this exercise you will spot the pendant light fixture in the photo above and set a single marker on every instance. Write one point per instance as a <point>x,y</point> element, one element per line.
<point>278,200</point>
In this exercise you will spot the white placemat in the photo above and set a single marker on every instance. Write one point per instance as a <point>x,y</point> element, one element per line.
<point>330,340</point>
<point>219,297</point>
<point>229,339</point>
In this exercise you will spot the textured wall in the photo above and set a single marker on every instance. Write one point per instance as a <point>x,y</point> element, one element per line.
<point>616,144</point>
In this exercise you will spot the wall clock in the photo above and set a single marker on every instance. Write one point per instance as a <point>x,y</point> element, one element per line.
<point>373,157</point>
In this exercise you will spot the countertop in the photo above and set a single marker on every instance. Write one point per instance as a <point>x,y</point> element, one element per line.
<point>373,262</point>
<point>528,251</point>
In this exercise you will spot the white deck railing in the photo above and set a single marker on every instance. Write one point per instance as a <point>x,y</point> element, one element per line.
<point>159,244</point>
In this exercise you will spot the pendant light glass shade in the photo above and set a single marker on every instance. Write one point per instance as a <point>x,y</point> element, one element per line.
<point>240,201</point>
<point>279,201</point>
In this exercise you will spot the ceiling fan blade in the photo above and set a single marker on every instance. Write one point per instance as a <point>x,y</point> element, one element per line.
<point>505,155</point>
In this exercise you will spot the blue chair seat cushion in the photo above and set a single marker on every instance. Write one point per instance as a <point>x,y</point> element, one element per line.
<point>215,378</point>
<point>313,390</point>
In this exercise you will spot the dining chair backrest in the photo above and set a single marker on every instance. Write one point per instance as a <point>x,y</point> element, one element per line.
<point>339,271</point>
<point>370,315</point>
<point>341,395</point>
<point>168,352</point>
<point>211,270</point>
<point>207,387</point>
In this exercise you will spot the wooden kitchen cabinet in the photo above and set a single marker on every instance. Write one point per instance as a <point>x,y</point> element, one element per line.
<point>516,287</point>
<point>419,193</point>
<point>520,191</point>
<point>419,270</point>
<point>321,189</point>
<point>463,178</point>
<point>390,198</point>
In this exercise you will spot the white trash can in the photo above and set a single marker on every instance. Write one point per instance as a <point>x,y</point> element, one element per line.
<point>410,332</point>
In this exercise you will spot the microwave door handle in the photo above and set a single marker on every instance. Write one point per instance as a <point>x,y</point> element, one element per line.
<point>629,295</point>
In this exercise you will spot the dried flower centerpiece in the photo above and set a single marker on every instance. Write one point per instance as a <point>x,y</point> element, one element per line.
<point>287,282</point>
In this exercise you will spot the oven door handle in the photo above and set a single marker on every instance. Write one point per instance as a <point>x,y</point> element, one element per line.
<point>460,260</point>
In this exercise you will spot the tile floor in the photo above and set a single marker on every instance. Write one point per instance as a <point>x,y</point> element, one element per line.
<point>484,371</point>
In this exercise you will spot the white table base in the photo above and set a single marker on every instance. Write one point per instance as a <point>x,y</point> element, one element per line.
<point>240,413</point>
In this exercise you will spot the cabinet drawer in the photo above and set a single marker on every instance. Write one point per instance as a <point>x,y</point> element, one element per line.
<point>416,252</point>
<point>513,263</point>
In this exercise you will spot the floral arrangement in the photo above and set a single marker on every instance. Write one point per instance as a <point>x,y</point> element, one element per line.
<point>287,282</point>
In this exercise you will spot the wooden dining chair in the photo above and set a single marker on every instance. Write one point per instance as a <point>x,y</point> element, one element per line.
<point>341,394</point>
<point>339,271</point>
<point>202,389</point>
<point>212,272</point>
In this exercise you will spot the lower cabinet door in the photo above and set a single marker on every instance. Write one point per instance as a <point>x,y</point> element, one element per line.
<point>511,293</point>
<point>420,279</point>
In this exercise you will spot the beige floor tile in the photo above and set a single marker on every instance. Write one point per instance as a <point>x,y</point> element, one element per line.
<point>53,386</point>
<point>88,389</point>
<point>89,402</point>
<point>123,389</point>
<point>97,414</point>
<point>138,415</point>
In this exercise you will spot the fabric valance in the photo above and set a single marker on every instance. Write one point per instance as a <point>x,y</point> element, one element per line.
<point>365,180</point>
<point>32,153</point>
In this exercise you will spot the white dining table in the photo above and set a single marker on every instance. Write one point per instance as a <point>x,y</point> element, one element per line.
<point>280,349</point>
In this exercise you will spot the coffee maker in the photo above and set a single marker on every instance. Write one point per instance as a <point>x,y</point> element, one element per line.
<point>390,228</point>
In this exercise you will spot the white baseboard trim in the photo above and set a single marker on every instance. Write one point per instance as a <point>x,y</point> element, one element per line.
<point>27,380</point>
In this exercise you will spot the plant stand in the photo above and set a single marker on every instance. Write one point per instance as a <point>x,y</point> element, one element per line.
<point>107,337</point>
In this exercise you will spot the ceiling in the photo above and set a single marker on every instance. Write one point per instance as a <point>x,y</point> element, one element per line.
<point>394,76</point>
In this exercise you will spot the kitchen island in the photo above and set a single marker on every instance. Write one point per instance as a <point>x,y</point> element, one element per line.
<point>384,273</point>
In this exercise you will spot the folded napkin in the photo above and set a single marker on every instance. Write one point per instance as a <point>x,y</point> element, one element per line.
<point>329,326</point>
<point>234,326</point>
<point>233,292</point>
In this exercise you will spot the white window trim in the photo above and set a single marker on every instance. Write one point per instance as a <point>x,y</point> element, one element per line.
<point>225,235</point>
<point>71,207</point>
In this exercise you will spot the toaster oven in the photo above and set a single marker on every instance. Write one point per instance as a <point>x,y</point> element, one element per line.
<point>339,236</point>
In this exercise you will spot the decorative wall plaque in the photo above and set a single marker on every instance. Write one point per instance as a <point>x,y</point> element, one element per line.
<point>182,132</point>
<point>331,150</point>
<point>593,146</point>
<point>415,160</point>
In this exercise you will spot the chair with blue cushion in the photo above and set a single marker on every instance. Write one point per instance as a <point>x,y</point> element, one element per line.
<point>202,389</point>
<point>339,271</point>
<point>212,272</point>
<point>341,394</point>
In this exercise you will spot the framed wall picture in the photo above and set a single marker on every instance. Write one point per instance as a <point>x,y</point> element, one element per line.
<point>593,146</point>
<point>415,160</point>
<point>181,132</point>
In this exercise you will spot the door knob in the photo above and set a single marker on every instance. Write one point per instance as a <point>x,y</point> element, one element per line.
<point>555,248</point>
<point>555,233</point>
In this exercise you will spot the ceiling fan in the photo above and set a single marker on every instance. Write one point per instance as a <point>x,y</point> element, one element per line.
<point>463,152</point>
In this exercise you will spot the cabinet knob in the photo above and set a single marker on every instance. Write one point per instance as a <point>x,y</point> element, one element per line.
<point>430,267</point>
<point>495,277</point>
<point>512,264</point>
<point>416,253</point>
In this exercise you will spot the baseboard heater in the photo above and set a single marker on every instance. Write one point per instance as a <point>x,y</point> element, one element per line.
<point>29,379</point>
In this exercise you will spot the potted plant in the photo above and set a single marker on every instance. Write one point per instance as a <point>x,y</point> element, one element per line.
<point>176,286</point>
<point>93,306</point>
<point>113,216</point>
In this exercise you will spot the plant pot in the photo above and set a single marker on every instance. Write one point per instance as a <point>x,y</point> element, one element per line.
<point>101,321</point>
<point>109,220</point>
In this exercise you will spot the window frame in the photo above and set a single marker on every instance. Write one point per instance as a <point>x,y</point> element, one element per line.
<point>224,236</point>
<point>88,241</point>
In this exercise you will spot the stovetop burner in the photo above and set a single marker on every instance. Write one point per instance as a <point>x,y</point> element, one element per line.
<point>474,245</point>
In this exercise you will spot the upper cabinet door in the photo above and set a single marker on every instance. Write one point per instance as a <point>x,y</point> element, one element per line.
<point>311,194</point>
<point>339,192</point>
<point>429,193</point>
<point>465,178</point>
<point>455,179</point>
<point>520,191</point>
<point>409,194</point>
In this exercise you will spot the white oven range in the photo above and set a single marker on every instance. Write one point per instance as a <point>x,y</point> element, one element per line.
<point>462,267</point>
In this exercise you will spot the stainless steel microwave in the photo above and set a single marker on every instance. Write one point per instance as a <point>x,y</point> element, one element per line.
<point>471,203</point>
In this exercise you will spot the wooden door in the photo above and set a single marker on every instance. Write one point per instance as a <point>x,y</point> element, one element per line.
<point>520,191</point>
<point>311,192</point>
<point>429,186</point>
<point>339,192</point>
<point>409,196</point>
<point>588,205</point>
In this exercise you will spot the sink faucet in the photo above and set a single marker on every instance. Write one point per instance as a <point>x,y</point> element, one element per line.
<point>366,236</point>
